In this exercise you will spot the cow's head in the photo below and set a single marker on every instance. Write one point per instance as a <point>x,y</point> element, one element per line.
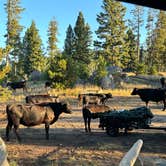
<point>66,108</point>
<point>109,95</point>
<point>60,107</point>
<point>134,92</point>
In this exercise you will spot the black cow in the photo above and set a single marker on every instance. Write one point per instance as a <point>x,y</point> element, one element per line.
<point>17,85</point>
<point>31,115</point>
<point>92,111</point>
<point>163,82</point>
<point>149,94</point>
<point>36,99</point>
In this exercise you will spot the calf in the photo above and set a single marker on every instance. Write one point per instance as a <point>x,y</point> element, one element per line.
<point>36,99</point>
<point>148,94</point>
<point>17,85</point>
<point>92,111</point>
<point>31,115</point>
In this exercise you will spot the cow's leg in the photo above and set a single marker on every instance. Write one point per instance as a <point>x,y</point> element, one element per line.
<point>89,120</point>
<point>164,101</point>
<point>146,103</point>
<point>85,116</point>
<point>8,129</point>
<point>47,126</point>
<point>85,123</point>
<point>16,128</point>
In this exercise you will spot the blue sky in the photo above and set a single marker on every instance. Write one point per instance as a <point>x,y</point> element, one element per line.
<point>65,12</point>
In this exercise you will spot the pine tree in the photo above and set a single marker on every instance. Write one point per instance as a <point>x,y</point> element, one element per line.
<point>160,42</point>
<point>69,41</point>
<point>68,54</point>
<point>136,23</point>
<point>130,61</point>
<point>52,38</point>
<point>82,51</point>
<point>111,31</point>
<point>100,71</point>
<point>32,50</point>
<point>57,71</point>
<point>57,64</point>
<point>14,29</point>
<point>150,26</point>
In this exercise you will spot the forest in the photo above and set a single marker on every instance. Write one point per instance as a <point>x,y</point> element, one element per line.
<point>84,60</point>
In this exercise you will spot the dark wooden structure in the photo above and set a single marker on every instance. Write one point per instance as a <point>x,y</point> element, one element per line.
<point>157,4</point>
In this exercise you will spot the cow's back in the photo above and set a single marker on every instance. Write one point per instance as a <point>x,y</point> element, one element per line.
<point>98,108</point>
<point>36,99</point>
<point>152,94</point>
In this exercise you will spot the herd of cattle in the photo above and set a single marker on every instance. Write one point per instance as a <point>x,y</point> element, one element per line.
<point>46,109</point>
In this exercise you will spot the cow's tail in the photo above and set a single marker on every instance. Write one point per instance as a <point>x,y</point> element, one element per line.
<point>8,107</point>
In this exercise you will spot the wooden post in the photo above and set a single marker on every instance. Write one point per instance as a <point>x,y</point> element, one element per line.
<point>3,154</point>
<point>131,156</point>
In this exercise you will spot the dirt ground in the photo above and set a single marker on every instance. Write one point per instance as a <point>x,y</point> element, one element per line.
<point>70,145</point>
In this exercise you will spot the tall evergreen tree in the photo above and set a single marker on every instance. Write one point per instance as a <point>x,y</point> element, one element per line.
<point>160,41</point>
<point>130,61</point>
<point>69,41</point>
<point>32,50</point>
<point>52,38</point>
<point>68,54</point>
<point>111,31</point>
<point>82,53</point>
<point>150,26</point>
<point>57,71</point>
<point>14,29</point>
<point>137,23</point>
<point>57,64</point>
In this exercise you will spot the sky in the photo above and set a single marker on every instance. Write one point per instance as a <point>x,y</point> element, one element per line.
<point>65,12</point>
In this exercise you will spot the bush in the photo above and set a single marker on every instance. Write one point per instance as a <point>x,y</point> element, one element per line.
<point>141,69</point>
<point>152,70</point>
<point>5,94</point>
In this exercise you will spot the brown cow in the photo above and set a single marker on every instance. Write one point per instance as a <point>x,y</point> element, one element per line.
<point>31,115</point>
<point>92,111</point>
<point>94,98</point>
<point>36,99</point>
